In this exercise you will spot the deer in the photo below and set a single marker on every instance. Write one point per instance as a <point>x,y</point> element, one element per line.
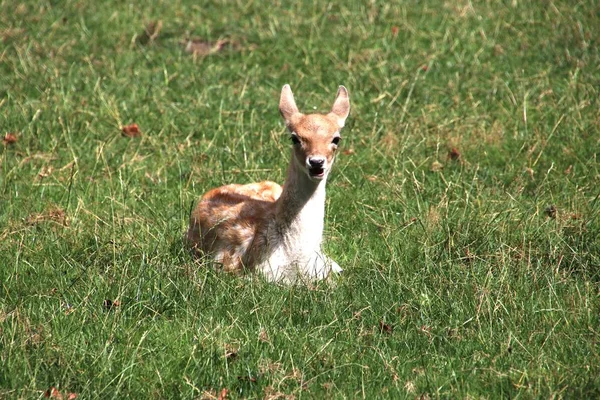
<point>262,227</point>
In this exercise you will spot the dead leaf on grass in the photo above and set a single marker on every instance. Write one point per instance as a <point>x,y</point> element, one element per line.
<point>53,393</point>
<point>348,152</point>
<point>9,138</point>
<point>132,130</point>
<point>223,394</point>
<point>454,154</point>
<point>385,328</point>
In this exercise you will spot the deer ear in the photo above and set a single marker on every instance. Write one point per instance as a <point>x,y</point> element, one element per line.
<point>341,106</point>
<point>287,104</point>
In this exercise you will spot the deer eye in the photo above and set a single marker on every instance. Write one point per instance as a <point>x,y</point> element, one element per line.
<point>336,140</point>
<point>295,138</point>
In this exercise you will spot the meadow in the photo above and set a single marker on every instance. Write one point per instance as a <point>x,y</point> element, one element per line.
<point>464,204</point>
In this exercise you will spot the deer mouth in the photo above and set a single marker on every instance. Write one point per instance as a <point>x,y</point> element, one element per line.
<point>316,172</point>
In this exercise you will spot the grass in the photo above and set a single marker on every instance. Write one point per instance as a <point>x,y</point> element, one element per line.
<point>464,207</point>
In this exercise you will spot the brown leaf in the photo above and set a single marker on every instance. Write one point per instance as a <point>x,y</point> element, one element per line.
<point>348,152</point>
<point>223,394</point>
<point>72,396</point>
<point>53,393</point>
<point>132,130</point>
<point>385,328</point>
<point>454,154</point>
<point>9,138</point>
<point>395,31</point>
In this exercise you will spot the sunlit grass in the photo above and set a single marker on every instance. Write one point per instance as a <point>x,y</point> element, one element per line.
<point>463,206</point>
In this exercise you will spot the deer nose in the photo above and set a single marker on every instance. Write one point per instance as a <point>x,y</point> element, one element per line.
<point>316,162</point>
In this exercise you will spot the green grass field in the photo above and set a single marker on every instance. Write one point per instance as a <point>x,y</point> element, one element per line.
<point>464,204</point>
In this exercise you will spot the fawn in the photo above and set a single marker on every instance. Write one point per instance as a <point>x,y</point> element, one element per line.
<point>263,227</point>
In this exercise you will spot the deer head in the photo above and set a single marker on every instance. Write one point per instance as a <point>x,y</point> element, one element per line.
<point>315,137</point>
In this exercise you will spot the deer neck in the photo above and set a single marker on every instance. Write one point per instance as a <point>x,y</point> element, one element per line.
<point>300,210</point>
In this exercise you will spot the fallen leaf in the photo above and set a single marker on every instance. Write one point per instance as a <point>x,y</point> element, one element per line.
<point>132,130</point>
<point>223,394</point>
<point>385,328</point>
<point>9,138</point>
<point>372,178</point>
<point>348,152</point>
<point>569,170</point>
<point>395,31</point>
<point>72,396</point>
<point>53,393</point>
<point>454,154</point>
<point>425,68</point>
